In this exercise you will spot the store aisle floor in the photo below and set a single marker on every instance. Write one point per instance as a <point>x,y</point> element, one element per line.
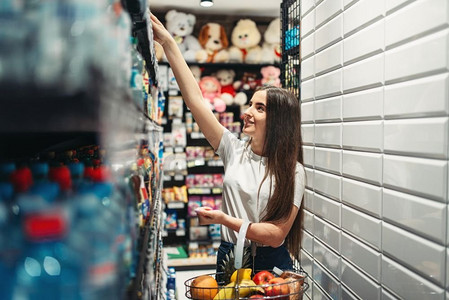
<point>182,276</point>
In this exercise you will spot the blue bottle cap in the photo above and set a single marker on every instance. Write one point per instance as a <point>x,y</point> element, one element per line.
<point>40,169</point>
<point>76,169</point>
<point>99,189</point>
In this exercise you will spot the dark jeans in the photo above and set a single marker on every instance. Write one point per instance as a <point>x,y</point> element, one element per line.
<point>266,257</point>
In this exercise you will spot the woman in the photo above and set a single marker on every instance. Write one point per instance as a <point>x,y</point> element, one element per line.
<point>264,177</point>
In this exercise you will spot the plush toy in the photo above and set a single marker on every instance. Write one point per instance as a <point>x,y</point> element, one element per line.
<point>271,48</point>
<point>247,85</point>
<point>270,76</point>
<point>215,42</point>
<point>211,89</point>
<point>245,40</point>
<point>180,25</point>
<point>226,79</point>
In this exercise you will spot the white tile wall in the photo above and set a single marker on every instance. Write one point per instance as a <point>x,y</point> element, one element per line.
<point>375,98</point>
<point>359,283</point>
<point>364,105</point>
<point>328,110</point>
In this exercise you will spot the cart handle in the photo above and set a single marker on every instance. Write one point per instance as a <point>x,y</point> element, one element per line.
<point>238,248</point>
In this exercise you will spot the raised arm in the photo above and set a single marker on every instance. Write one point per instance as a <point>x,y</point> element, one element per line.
<point>190,90</point>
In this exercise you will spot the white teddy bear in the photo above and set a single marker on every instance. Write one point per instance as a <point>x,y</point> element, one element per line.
<point>180,25</point>
<point>245,40</point>
<point>271,47</point>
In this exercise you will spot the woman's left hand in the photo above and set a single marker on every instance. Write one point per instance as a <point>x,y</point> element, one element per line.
<point>207,215</point>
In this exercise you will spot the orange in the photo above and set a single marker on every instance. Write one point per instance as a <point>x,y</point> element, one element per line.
<point>204,287</point>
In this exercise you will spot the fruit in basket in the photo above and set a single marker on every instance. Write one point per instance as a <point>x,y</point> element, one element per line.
<point>226,292</point>
<point>262,277</point>
<point>246,287</point>
<point>204,287</point>
<point>295,283</point>
<point>277,287</point>
<point>242,274</point>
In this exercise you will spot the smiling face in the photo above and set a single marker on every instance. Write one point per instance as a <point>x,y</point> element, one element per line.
<point>255,118</point>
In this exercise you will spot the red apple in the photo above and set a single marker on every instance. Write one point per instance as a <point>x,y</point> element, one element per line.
<point>277,287</point>
<point>262,277</point>
<point>257,296</point>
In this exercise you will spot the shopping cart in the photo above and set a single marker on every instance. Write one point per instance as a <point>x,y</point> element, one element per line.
<point>292,288</point>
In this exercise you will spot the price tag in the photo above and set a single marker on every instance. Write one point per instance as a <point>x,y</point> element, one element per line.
<point>217,190</point>
<point>175,205</point>
<point>198,191</point>
<point>180,232</point>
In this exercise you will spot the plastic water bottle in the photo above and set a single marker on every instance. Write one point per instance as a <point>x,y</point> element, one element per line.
<point>136,80</point>
<point>8,248</point>
<point>48,269</point>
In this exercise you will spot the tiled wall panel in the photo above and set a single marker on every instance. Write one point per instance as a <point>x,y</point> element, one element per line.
<point>424,97</point>
<point>328,110</point>
<point>364,105</point>
<point>361,255</point>
<point>359,283</point>
<point>424,217</point>
<point>375,98</point>
<point>328,159</point>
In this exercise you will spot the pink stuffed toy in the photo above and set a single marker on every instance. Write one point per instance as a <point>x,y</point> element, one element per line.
<point>211,89</point>
<point>270,76</point>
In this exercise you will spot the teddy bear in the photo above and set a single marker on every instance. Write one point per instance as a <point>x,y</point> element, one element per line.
<point>211,89</point>
<point>180,25</point>
<point>244,87</point>
<point>245,38</point>
<point>215,42</point>
<point>271,47</point>
<point>226,79</point>
<point>270,76</point>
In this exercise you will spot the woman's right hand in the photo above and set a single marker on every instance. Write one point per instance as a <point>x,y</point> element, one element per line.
<point>160,33</point>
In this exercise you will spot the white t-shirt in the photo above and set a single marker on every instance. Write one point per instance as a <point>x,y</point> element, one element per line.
<point>244,171</point>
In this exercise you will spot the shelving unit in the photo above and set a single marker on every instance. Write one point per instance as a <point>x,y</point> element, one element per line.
<point>290,37</point>
<point>40,119</point>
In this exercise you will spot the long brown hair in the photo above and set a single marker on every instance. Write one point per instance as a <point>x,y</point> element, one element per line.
<point>283,149</point>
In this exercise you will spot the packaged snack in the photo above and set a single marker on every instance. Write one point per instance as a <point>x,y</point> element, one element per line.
<point>194,203</point>
<point>208,201</point>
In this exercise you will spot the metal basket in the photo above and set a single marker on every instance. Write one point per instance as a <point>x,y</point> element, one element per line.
<point>292,289</point>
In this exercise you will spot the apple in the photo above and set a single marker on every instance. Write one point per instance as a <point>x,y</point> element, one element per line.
<point>262,277</point>
<point>257,296</point>
<point>276,287</point>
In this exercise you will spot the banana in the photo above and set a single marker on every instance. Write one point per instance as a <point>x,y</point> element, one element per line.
<point>242,274</point>
<point>227,292</point>
<point>246,286</point>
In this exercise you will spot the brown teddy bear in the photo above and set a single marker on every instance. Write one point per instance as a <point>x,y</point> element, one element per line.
<point>215,42</point>
<point>245,40</point>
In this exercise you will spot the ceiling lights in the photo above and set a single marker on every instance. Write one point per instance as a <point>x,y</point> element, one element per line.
<point>206,3</point>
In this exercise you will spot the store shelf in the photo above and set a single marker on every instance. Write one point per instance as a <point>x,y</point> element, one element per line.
<point>193,262</point>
